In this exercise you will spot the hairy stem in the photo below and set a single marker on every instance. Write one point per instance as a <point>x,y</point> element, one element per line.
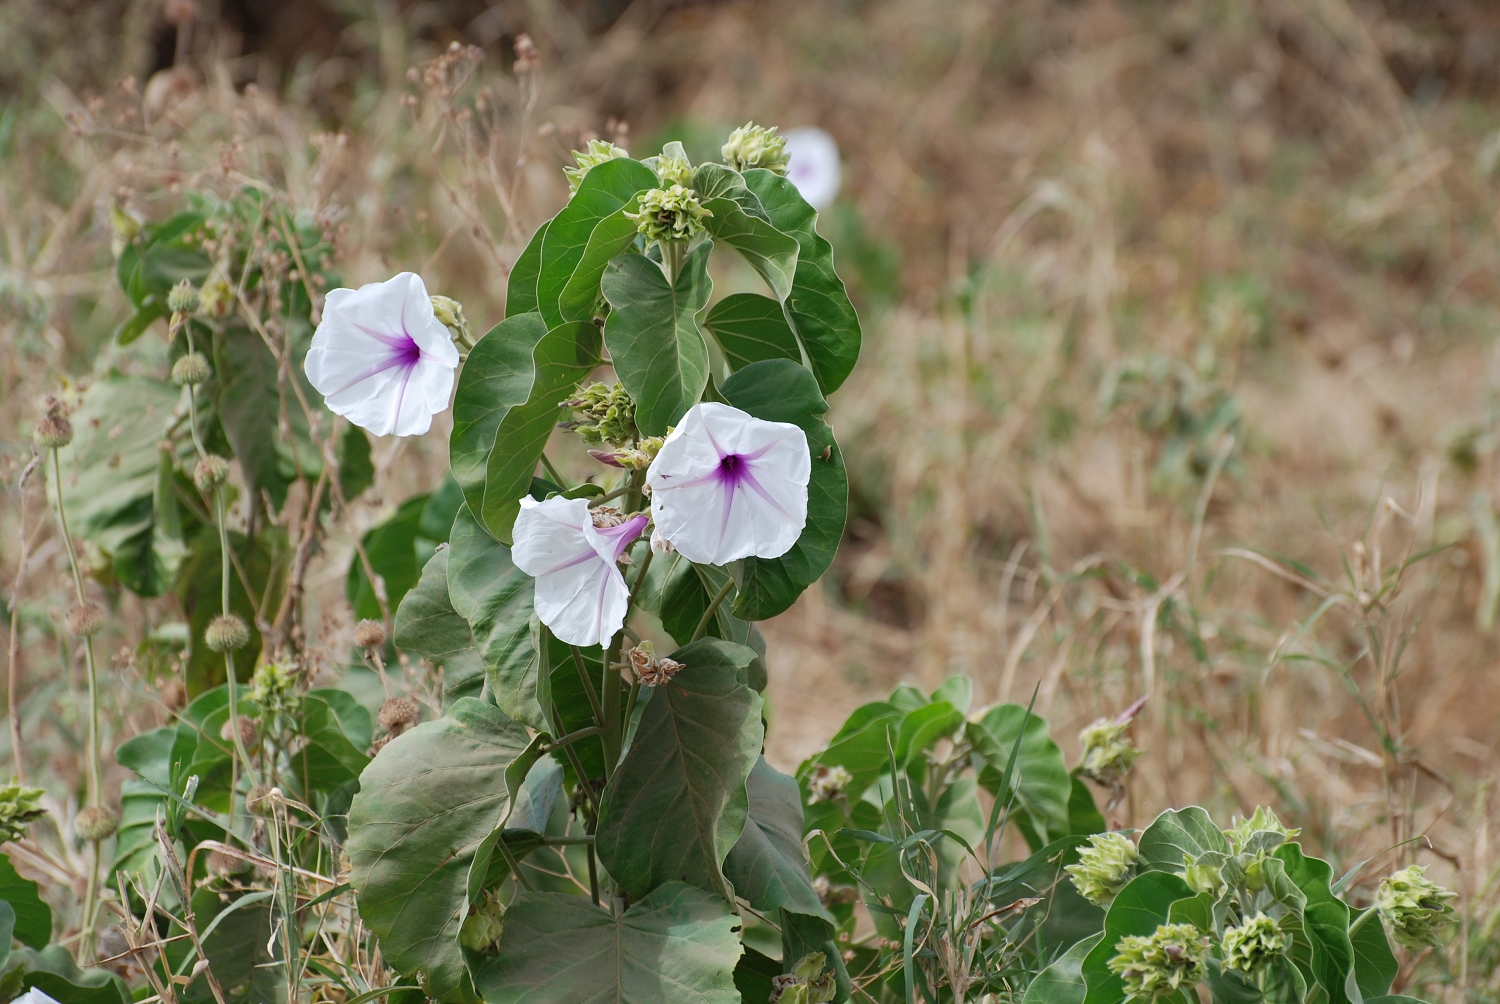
<point>713,608</point>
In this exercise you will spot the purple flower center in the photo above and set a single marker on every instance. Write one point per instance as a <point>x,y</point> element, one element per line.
<point>732,468</point>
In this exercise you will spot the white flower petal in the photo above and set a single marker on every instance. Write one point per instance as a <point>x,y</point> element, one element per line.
<point>813,165</point>
<point>716,512</point>
<point>580,594</point>
<point>381,358</point>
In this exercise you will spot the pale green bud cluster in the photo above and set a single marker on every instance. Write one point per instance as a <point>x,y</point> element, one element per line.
<point>1414,907</point>
<point>183,297</point>
<point>1105,865</point>
<point>670,215</point>
<point>1263,831</point>
<point>1254,945</point>
<point>482,929</point>
<point>274,687</point>
<point>756,146</point>
<point>216,297</point>
<point>19,808</point>
<point>809,982</point>
<point>599,151</point>
<point>451,313</point>
<point>631,458</point>
<point>1168,960</point>
<point>604,415</point>
<point>1108,753</point>
<point>1204,874</point>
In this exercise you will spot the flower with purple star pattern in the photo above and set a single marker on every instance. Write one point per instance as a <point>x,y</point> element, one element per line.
<point>726,485</point>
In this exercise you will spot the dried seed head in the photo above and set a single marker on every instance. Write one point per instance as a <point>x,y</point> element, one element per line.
<point>369,634</point>
<point>210,472</point>
<point>398,714</point>
<point>606,516</point>
<point>85,619</point>
<point>54,431</point>
<point>96,823</point>
<point>226,633</point>
<point>247,731</point>
<point>173,693</point>
<point>191,369</point>
<point>222,865</point>
<point>183,298</point>
<point>259,801</point>
<point>651,669</point>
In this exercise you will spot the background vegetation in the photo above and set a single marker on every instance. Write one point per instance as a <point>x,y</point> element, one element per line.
<point>1179,377</point>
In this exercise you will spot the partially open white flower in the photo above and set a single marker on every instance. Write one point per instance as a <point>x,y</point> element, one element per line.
<point>381,358</point>
<point>727,486</point>
<point>580,593</point>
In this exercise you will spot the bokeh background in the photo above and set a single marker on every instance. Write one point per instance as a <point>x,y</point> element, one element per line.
<point>1180,365</point>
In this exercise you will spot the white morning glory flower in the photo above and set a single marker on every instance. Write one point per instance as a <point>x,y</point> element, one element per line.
<point>727,486</point>
<point>381,358</point>
<point>571,551</point>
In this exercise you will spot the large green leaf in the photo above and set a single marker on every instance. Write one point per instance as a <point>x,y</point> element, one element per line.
<point>862,747</point>
<point>33,918</point>
<point>1062,981</point>
<point>779,390</point>
<point>496,377</point>
<point>520,288</point>
<point>604,193</point>
<point>1325,921</point>
<point>924,726</point>
<point>427,625</point>
<point>750,327</point>
<point>1177,833</point>
<point>495,598</point>
<point>653,337</point>
<point>676,804</point>
<point>579,300</point>
<point>1375,966</point>
<point>1139,909</point>
<point>332,723</point>
<point>116,480</point>
<point>676,946</point>
<point>768,865</point>
<point>424,805</point>
<point>818,307</point>
<point>392,548</point>
<point>1042,784</point>
<point>739,221</point>
<point>563,356</point>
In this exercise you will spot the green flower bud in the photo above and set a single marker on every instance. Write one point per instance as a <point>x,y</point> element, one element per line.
<point>1170,959</point>
<point>1204,874</point>
<point>603,415</point>
<point>482,929</point>
<point>673,166</point>
<point>1260,833</point>
<point>1254,945</point>
<point>183,297</point>
<point>670,214</point>
<point>216,297</point>
<point>756,146</point>
<point>599,151</point>
<point>96,823</point>
<point>226,633</point>
<point>809,982</point>
<point>1108,753</point>
<point>210,472</point>
<point>451,313</point>
<point>274,686</point>
<point>1104,867</point>
<point>19,808</point>
<point>826,784</point>
<point>191,369</point>
<point>1414,908</point>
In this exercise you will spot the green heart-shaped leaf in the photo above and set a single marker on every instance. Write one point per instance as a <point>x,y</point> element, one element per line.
<point>739,221</point>
<point>520,288</point>
<point>652,333</point>
<point>1140,908</point>
<point>768,864</point>
<point>750,327</point>
<point>676,804</point>
<point>427,625</point>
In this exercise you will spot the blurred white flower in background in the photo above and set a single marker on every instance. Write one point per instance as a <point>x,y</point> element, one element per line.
<point>814,166</point>
<point>381,358</point>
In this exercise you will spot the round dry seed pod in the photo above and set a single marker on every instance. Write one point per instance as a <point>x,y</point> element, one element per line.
<point>247,731</point>
<point>210,472</point>
<point>53,432</point>
<point>191,369</point>
<point>398,714</point>
<point>258,800</point>
<point>369,634</point>
<point>173,693</point>
<point>183,298</point>
<point>226,633</point>
<point>96,823</point>
<point>85,619</point>
<point>221,865</point>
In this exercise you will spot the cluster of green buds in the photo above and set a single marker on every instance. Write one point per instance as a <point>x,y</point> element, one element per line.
<point>451,314</point>
<point>216,296</point>
<point>603,415</point>
<point>672,165</point>
<point>1414,907</point>
<point>756,146</point>
<point>482,929</point>
<point>19,808</point>
<point>1108,753</point>
<point>809,982</point>
<point>1253,841</point>
<point>1251,947</point>
<point>1105,865</point>
<point>631,458</point>
<point>1170,959</point>
<point>669,215</point>
<point>599,151</point>
<point>274,687</point>
<point>1205,873</point>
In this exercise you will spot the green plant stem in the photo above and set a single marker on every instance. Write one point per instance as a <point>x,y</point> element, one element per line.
<point>635,690</point>
<point>610,680</point>
<point>515,866</point>
<point>570,738</point>
<point>1363,919</point>
<point>95,782</point>
<point>640,581</point>
<point>588,687</point>
<point>713,608</point>
<point>241,754</point>
<point>557,478</point>
<point>673,253</point>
